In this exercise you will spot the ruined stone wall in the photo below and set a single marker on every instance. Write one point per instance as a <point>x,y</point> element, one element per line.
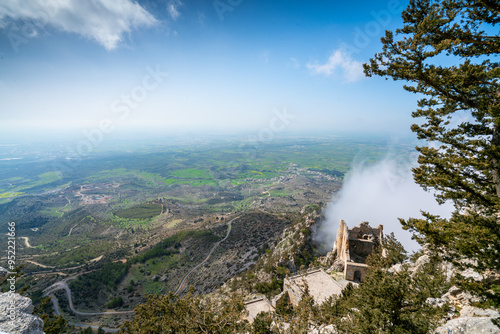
<point>352,246</point>
<point>365,231</point>
<point>352,267</point>
<point>342,243</point>
<point>361,247</point>
<point>294,292</point>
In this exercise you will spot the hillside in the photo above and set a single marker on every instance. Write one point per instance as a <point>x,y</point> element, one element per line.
<point>406,294</point>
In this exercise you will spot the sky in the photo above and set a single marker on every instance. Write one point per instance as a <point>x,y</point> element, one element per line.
<point>174,65</point>
<point>379,194</point>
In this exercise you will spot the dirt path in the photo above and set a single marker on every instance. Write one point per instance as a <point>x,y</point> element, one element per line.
<point>58,313</point>
<point>64,207</point>
<point>27,242</point>
<point>63,285</point>
<point>39,264</point>
<point>71,230</point>
<point>183,281</point>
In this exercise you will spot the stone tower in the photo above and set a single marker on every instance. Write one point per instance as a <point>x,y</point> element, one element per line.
<point>353,246</point>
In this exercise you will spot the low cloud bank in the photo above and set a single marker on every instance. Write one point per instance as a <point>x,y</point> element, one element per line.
<point>379,194</point>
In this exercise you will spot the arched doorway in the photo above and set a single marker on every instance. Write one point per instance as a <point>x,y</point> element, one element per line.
<point>357,276</point>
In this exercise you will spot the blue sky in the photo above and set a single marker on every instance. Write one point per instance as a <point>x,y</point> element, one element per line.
<point>232,65</point>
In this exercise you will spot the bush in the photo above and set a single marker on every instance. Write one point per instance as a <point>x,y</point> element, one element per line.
<point>115,303</point>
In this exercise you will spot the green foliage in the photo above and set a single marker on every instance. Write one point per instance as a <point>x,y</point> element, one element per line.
<point>269,288</point>
<point>155,252</point>
<point>187,314</point>
<point>115,302</point>
<point>262,323</point>
<point>388,253</point>
<point>162,248</point>
<point>305,314</point>
<point>192,173</point>
<point>142,211</point>
<point>284,307</point>
<point>52,324</point>
<point>87,330</point>
<point>111,274</point>
<point>389,303</point>
<point>191,176</point>
<point>386,302</point>
<point>460,109</point>
<point>107,277</point>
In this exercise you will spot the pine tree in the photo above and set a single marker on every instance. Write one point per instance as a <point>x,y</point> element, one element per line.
<point>262,323</point>
<point>52,324</point>
<point>187,314</point>
<point>306,314</point>
<point>284,306</point>
<point>461,120</point>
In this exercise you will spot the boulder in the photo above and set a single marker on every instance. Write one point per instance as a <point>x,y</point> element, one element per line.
<point>3,274</point>
<point>460,298</point>
<point>472,320</point>
<point>16,315</point>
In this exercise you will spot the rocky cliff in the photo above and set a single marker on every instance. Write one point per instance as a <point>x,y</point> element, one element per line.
<point>16,312</point>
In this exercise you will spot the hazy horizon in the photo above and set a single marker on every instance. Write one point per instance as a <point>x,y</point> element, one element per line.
<point>195,66</point>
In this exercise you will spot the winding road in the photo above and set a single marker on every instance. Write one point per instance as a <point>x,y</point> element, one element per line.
<point>183,281</point>
<point>63,285</point>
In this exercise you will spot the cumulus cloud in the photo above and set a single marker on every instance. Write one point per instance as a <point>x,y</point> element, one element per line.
<point>339,63</point>
<point>379,194</point>
<point>105,21</point>
<point>173,9</point>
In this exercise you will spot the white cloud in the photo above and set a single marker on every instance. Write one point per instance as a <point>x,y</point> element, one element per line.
<point>173,9</point>
<point>351,70</point>
<point>380,194</point>
<point>104,21</point>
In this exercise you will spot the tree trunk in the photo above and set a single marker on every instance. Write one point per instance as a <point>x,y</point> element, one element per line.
<point>496,158</point>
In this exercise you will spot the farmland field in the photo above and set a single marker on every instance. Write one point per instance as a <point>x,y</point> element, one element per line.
<point>147,216</point>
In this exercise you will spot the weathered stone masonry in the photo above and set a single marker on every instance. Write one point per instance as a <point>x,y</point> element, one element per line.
<point>353,246</point>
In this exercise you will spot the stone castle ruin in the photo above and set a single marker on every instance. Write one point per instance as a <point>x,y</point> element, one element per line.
<point>353,246</point>
<point>350,251</point>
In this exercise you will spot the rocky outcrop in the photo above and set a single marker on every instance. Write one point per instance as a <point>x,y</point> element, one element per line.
<point>3,274</point>
<point>288,263</point>
<point>16,313</point>
<point>472,320</point>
